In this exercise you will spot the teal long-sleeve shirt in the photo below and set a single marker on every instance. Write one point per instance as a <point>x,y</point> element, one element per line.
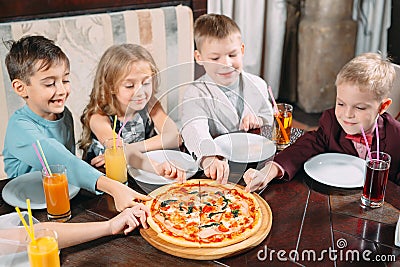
<point>58,143</point>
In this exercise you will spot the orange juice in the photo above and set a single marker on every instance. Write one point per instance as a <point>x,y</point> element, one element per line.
<point>286,122</point>
<point>44,252</point>
<point>115,161</point>
<point>56,192</point>
<point>283,125</point>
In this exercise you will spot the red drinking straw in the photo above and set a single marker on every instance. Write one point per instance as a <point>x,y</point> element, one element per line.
<point>377,139</point>
<point>366,143</point>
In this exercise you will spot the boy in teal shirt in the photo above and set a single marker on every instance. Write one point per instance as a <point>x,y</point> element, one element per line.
<point>39,73</point>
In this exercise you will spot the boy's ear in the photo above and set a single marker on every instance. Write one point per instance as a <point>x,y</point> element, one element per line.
<point>242,49</point>
<point>19,88</point>
<point>385,105</point>
<point>197,57</point>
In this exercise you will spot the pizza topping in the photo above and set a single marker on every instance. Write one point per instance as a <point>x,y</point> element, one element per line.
<point>179,227</point>
<point>226,202</point>
<point>203,213</point>
<point>235,213</point>
<point>190,209</point>
<point>215,213</point>
<point>222,228</point>
<point>167,202</point>
<point>207,233</point>
<point>210,225</point>
<point>207,209</point>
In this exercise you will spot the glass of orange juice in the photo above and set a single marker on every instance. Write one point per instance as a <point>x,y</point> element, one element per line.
<point>283,125</point>
<point>43,251</point>
<point>55,187</point>
<point>114,156</point>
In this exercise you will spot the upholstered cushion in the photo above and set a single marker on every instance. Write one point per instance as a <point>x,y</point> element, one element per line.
<point>166,32</point>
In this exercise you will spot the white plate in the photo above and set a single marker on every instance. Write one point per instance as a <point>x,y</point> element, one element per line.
<point>29,185</point>
<point>335,169</point>
<point>245,147</point>
<point>182,160</point>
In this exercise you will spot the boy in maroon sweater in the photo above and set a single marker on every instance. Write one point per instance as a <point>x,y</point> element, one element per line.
<point>363,87</point>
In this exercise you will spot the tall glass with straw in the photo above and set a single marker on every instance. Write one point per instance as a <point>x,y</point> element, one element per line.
<point>55,187</point>
<point>376,175</point>
<point>283,122</point>
<point>43,244</point>
<point>115,157</point>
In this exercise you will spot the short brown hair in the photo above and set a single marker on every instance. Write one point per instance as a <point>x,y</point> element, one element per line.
<point>370,72</point>
<point>215,26</point>
<point>25,53</point>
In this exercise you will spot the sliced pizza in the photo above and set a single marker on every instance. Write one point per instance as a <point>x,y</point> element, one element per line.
<point>203,213</point>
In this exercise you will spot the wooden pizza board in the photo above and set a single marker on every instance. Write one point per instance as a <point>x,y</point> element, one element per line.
<point>214,253</point>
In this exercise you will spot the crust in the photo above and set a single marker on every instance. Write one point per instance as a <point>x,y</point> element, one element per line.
<point>178,241</point>
<point>152,223</point>
<point>183,242</point>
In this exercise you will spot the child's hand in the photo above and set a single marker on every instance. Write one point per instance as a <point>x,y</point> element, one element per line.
<point>259,179</point>
<point>250,121</point>
<point>216,168</point>
<point>170,170</point>
<point>124,196</point>
<point>254,180</point>
<point>98,161</point>
<point>129,219</point>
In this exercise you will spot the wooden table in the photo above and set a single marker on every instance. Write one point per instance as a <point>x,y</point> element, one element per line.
<point>308,217</point>
<point>321,225</point>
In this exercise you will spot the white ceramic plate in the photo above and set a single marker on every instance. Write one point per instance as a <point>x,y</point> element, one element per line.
<point>335,169</point>
<point>182,160</point>
<point>30,186</point>
<point>245,147</point>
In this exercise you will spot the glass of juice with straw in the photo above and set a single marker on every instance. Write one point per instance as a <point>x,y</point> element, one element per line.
<point>43,249</point>
<point>376,177</point>
<point>114,157</point>
<point>55,185</point>
<point>282,125</point>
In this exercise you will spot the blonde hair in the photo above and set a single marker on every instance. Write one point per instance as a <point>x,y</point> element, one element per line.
<point>214,26</point>
<point>115,64</point>
<point>370,72</point>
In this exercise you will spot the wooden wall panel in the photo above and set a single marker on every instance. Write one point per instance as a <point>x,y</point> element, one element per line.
<point>30,9</point>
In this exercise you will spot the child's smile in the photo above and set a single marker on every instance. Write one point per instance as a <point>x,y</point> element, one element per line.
<point>222,58</point>
<point>136,88</point>
<point>48,90</point>
<point>355,108</point>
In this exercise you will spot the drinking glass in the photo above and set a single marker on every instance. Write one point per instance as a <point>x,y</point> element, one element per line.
<point>115,160</point>
<point>55,187</point>
<point>282,125</point>
<point>43,251</point>
<point>376,176</point>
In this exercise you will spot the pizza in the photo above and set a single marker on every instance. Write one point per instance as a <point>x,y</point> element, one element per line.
<point>203,213</point>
